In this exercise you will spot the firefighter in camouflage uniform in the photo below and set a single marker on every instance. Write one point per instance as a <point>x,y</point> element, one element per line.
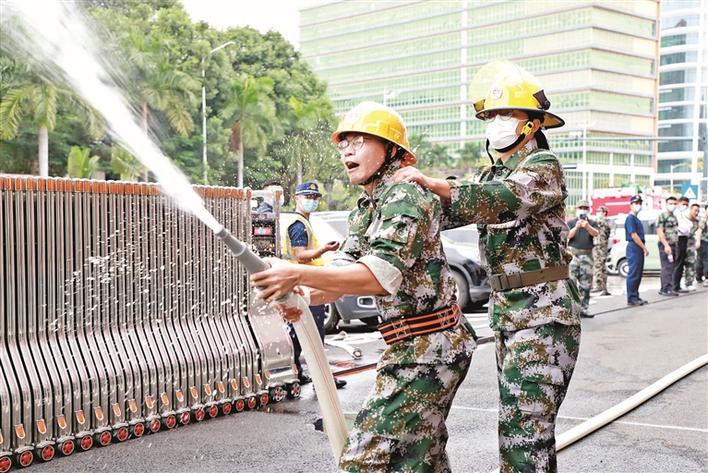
<point>393,250</point>
<point>518,204</point>
<point>600,251</point>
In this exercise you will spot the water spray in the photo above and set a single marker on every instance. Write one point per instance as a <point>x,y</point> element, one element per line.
<point>60,40</point>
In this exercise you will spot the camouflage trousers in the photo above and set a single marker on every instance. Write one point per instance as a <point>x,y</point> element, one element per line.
<point>599,271</point>
<point>401,426</point>
<point>580,269</point>
<point>690,264</point>
<point>534,367</point>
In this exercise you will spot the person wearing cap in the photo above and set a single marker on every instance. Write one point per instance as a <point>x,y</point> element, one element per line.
<point>299,245</point>
<point>580,243</point>
<point>636,251</point>
<point>392,251</point>
<point>600,250</point>
<point>667,231</point>
<point>518,204</point>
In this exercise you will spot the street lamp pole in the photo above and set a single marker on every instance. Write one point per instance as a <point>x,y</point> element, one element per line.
<point>204,129</point>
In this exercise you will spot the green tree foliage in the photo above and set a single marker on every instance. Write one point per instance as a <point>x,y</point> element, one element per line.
<point>80,163</point>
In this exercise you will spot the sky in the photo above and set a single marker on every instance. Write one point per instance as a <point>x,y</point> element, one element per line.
<point>263,15</point>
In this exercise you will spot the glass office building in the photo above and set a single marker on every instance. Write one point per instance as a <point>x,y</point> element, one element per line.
<point>683,94</point>
<point>596,59</point>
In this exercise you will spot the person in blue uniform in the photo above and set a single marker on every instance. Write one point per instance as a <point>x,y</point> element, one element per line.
<point>636,251</point>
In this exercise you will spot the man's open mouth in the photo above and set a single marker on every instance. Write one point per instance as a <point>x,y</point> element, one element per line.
<point>351,165</point>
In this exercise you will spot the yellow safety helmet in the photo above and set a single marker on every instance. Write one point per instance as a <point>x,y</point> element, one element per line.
<point>377,120</point>
<point>507,86</point>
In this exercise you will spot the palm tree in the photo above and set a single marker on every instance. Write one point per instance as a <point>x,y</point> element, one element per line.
<point>251,111</point>
<point>306,120</point>
<point>159,86</point>
<point>39,99</point>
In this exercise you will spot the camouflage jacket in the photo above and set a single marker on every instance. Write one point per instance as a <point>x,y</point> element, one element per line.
<point>519,207</point>
<point>692,235</point>
<point>603,236</point>
<point>395,232</point>
<point>668,221</point>
<point>703,226</point>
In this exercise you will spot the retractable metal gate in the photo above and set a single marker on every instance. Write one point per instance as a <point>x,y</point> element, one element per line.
<point>121,315</point>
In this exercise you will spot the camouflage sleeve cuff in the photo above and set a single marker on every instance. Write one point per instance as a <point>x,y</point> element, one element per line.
<point>385,273</point>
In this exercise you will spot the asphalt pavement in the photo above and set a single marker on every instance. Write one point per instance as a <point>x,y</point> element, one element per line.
<point>623,350</point>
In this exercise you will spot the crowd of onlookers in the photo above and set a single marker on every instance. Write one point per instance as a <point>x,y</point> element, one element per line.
<point>682,229</point>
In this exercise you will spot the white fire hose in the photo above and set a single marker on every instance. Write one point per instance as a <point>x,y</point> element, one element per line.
<point>312,348</point>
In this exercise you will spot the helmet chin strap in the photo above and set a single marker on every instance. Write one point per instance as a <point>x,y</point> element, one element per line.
<point>390,159</point>
<point>524,133</point>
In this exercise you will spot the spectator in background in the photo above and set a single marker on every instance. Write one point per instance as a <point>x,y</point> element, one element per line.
<point>684,230</point>
<point>702,242</point>
<point>300,246</point>
<point>636,251</point>
<point>667,230</point>
<point>267,204</point>
<point>599,252</point>
<point>580,245</point>
<point>692,247</point>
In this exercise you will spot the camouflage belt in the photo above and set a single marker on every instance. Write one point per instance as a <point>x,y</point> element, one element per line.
<point>407,327</point>
<point>502,282</point>
<point>579,251</point>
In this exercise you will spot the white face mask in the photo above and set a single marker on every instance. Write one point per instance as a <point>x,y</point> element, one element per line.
<point>502,133</point>
<point>636,208</point>
<point>670,207</point>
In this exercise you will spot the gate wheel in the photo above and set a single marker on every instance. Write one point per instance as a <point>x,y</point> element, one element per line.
<point>46,454</point>
<point>85,443</point>
<point>294,390</point>
<point>5,464</point>
<point>25,459</point>
<point>67,447</point>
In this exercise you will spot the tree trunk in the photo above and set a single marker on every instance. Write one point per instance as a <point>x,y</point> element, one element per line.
<point>240,159</point>
<point>144,123</point>
<point>43,151</point>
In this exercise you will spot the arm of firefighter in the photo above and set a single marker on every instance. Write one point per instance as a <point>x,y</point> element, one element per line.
<point>303,255</point>
<point>536,187</point>
<point>280,279</point>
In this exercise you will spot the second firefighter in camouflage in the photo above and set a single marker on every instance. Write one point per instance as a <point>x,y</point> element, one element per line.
<point>519,208</point>
<point>401,426</point>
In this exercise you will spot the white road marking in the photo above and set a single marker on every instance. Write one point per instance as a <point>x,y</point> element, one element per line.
<point>583,419</point>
